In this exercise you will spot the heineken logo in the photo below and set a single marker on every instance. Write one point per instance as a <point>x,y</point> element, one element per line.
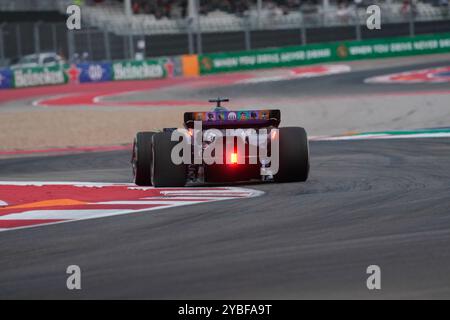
<point>38,77</point>
<point>144,70</point>
<point>342,51</point>
<point>73,73</point>
<point>95,72</point>
<point>206,63</point>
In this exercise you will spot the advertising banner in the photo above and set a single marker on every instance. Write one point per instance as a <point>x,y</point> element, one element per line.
<point>328,52</point>
<point>90,72</point>
<point>138,69</point>
<point>94,72</point>
<point>393,47</point>
<point>6,78</point>
<point>192,65</point>
<point>38,76</point>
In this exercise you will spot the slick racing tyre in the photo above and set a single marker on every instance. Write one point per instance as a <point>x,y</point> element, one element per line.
<point>293,155</point>
<point>142,158</point>
<point>164,172</point>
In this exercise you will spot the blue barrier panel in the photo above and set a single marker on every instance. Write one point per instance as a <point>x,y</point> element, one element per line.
<point>95,72</point>
<point>6,78</point>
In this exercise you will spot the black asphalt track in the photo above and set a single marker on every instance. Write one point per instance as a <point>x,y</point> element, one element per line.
<point>374,202</point>
<point>382,202</point>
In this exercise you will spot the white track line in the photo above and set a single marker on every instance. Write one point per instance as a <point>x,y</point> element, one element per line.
<point>386,136</point>
<point>149,202</point>
<point>58,183</point>
<point>60,214</point>
<point>206,192</point>
<point>177,198</point>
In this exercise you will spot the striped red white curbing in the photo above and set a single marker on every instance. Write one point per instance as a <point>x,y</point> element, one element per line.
<point>30,204</point>
<point>300,72</point>
<point>432,75</point>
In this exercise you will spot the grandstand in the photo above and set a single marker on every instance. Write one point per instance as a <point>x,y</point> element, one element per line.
<point>111,29</point>
<point>150,17</point>
<point>175,16</point>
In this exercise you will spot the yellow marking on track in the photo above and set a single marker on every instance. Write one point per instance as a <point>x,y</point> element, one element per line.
<point>46,203</point>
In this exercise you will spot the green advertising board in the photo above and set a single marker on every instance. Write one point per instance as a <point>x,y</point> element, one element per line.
<point>39,76</point>
<point>107,71</point>
<point>327,52</point>
<point>138,69</point>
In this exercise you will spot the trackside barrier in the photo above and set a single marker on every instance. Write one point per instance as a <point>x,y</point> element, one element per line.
<point>29,77</point>
<point>194,65</point>
<point>328,52</point>
<point>89,72</point>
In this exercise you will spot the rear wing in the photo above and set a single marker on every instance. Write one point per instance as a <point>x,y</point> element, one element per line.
<point>234,119</point>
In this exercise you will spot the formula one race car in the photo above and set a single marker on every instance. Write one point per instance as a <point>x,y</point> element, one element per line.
<point>222,146</point>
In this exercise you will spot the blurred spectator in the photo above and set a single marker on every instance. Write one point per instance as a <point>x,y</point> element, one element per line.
<point>343,11</point>
<point>75,58</point>
<point>85,57</point>
<point>408,7</point>
<point>177,9</point>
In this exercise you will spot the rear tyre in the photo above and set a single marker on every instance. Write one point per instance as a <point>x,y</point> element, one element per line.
<point>293,155</point>
<point>164,172</point>
<point>142,158</point>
